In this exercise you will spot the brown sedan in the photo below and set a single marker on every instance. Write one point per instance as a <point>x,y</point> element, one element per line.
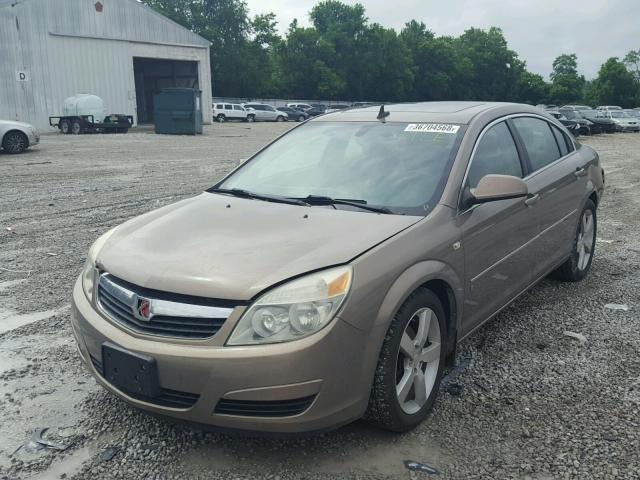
<point>331,275</point>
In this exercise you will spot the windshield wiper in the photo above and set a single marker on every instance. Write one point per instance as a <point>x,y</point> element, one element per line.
<point>362,204</point>
<point>238,192</point>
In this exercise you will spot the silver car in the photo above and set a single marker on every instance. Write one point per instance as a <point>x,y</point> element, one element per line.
<point>16,137</point>
<point>267,113</point>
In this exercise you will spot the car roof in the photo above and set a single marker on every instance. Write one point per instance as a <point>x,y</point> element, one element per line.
<point>441,112</point>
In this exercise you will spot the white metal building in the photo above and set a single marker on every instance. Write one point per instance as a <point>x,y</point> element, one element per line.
<point>120,50</point>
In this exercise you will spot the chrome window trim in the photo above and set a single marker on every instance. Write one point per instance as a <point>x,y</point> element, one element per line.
<point>531,174</point>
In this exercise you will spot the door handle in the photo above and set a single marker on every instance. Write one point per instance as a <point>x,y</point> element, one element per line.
<point>580,172</point>
<point>532,200</point>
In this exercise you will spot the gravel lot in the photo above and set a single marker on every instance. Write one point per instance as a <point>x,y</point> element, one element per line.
<point>528,402</point>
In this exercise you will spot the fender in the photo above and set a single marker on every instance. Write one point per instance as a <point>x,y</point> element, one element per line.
<point>414,277</point>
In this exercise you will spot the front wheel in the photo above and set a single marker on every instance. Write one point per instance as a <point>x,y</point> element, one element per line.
<point>280,118</point>
<point>301,118</point>
<point>579,262</point>
<point>410,366</point>
<point>15,142</point>
<point>251,118</point>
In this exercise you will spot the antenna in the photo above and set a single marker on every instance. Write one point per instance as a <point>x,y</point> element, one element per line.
<point>382,115</point>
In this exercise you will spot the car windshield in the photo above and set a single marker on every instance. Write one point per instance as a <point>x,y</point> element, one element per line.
<point>570,114</point>
<point>400,166</point>
<point>619,114</point>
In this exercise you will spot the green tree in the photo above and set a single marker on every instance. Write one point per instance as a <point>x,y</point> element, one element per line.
<point>567,86</point>
<point>632,62</point>
<point>615,85</point>
<point>496,69</point>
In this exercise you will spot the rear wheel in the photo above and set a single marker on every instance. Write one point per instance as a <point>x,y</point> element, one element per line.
<point>65,126</point>
<point>301,118</point>
<point>410,365</point>
<point>15,142</point>
<point>77,127</point>
<point>251,118</point>
<point>578,264</point>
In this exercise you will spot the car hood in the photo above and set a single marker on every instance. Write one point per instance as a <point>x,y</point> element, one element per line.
<point>12,123</point>
<point>224,247</point>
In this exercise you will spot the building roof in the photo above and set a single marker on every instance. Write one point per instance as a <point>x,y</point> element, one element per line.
<point>129,20</point>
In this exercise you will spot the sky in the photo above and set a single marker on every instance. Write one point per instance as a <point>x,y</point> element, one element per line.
<point>538,30</point>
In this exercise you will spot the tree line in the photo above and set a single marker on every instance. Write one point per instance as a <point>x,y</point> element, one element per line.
<point>344,56</point>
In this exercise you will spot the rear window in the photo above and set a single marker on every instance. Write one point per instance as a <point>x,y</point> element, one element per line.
<point>539,141</point>
<point>219,106</point>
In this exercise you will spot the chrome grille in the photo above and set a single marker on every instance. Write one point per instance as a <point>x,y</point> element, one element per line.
<point>122,301</point>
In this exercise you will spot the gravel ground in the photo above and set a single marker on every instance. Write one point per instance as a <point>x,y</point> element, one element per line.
<point>528,402</point>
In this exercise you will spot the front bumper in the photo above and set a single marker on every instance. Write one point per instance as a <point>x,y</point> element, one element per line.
<point>328,367</point>
<point>34,138</point>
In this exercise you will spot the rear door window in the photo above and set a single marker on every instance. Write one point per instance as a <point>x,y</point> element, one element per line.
<point>237,107</point>
<point>563,141</point>
<point>496,153</point>
<point>219,106</point>
<point>539,141</point>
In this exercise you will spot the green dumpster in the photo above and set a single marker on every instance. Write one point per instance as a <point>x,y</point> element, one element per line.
<point>178,111</point>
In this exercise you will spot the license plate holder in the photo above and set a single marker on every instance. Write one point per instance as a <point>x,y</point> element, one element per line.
<point>130,372</point>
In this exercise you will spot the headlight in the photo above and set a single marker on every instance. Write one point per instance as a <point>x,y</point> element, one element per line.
<point>89,271</point>
<point>294,310</point>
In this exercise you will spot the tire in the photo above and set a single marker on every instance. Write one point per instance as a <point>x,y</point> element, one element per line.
<point>77,127</point>
<point>301,118</point>
<point>15,142</point>
<point>221,118</point>
<point>391,406</point>
<point>65,126</point>
<point>577,265</point>
<point>251,118</point>
<point>280,118</point>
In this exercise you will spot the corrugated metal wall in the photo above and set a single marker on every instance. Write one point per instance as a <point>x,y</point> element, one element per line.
<point>68,47</point>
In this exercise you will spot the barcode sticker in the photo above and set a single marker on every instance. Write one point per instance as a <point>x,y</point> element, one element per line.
<point>432,128</point>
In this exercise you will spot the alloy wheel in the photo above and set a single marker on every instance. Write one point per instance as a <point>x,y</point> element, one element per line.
<point>418,360</point>
<point>586,239</point>
<point>15,142</point>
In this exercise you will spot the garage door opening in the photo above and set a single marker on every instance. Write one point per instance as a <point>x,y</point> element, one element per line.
<point>152,75</point>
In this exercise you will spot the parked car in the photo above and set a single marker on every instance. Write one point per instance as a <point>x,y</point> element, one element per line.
<point>294,114</point>
<point>586,127</point>
<point>267,113</point>
<point>232,111</point>
<point>317,109</point>
<point>623,121</point>
<point>363,104</point>
<point>335,108</point>
<point>572,125</point>
<point>633,112</point>
<point>609,107</point>
<point>16,137</point>
<point>299,106</point>
<point>575,107</point>
<point>271,316</point>
<point>606,125</point>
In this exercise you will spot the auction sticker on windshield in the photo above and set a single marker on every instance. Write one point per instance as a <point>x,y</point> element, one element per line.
<point>432,128</point>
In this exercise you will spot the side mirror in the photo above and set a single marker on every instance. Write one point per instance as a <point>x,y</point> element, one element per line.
<point>492,188</point>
